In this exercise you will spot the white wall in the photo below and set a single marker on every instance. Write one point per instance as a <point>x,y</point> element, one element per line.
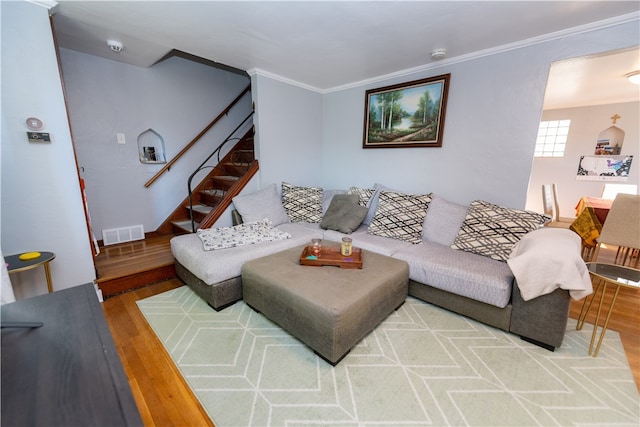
<point>586,125</point>
<point>494,108</point>
<point>288,132</point>
<point>41,200</point>
<point>177,98</point>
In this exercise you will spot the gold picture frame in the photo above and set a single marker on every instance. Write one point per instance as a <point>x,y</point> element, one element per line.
<point>406,115</point>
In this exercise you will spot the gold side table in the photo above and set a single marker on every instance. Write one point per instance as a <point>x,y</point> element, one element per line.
<point>616,275</point>
<point>16,265</point>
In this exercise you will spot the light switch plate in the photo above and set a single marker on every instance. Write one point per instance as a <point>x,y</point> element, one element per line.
<point>121,139</point>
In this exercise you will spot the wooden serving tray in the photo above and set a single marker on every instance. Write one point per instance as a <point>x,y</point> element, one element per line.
<point>330,255</point>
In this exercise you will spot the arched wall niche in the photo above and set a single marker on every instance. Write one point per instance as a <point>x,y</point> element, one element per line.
<point>151,147</point>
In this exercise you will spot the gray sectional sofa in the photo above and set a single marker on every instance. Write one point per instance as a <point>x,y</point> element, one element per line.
<point>459,256</point>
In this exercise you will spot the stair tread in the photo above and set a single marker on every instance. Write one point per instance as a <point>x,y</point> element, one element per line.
<point>185,224</point>
<point>202,208</point>
<point>227,177</point>
<point>223,178</point>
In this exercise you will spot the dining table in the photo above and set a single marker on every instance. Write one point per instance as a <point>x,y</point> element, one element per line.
<point>591,213</point>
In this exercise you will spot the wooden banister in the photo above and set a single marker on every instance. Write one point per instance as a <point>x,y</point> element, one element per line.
<point>226,201</point>
<point>170,163</point>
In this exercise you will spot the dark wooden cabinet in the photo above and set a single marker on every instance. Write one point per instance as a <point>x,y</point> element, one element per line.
<point>66,372</point>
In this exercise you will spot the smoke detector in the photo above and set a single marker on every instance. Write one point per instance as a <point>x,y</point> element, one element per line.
<point>438,54</point>
<point>115,46</point>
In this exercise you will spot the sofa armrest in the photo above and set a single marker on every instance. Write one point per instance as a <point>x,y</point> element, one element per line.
<point>542,320</point>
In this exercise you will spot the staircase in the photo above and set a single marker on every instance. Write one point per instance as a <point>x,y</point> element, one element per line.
<point>126,266</point>
<point>131,265</point>
<point>214,194</point>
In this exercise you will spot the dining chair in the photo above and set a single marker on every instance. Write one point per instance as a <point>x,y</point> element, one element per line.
<point>622,229</point>
<point>609,191</point>
<point>551,207</point>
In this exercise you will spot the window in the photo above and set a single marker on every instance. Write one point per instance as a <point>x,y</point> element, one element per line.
<point>552,138</point>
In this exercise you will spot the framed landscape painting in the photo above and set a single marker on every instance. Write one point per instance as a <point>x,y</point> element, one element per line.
<point>406,115</point>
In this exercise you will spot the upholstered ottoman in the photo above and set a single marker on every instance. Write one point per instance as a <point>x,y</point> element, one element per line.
<point>328,308</point>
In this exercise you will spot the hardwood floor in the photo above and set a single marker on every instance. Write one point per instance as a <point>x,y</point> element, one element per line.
<point>134,264</point>
<point>162,395</point>
<point>164,398</point>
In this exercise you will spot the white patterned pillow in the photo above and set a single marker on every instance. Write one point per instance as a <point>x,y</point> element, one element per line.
<point>491,230</point>
<point>400,216</point>
<point>247,233</point>
<point>303,204</point>
<point>364,194</point>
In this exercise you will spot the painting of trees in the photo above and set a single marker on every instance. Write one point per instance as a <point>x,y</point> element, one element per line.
<point>410,114</point>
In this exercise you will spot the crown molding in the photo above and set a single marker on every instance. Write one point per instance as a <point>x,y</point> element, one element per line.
<point>594,26</point>
<point>273,76</point>
<point>606,23</point>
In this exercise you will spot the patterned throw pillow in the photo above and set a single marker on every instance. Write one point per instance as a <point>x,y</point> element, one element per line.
<point>364,194</point>
<point>303,204</point>
<point>400,216</point>
<point>492,230</point>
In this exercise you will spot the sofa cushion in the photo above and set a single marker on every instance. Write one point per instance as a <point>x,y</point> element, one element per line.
<point>400,216</point>
<point>261,204</point>
<point>216,266</point>
<point>462,273</point>
<point>369,242</point>
<point>492,230</point>
<point>443,221</point>
<point>302,204</point>
<point>344,214</point>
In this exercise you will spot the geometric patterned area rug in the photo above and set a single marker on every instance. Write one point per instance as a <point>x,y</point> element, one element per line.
<point>423,366</point>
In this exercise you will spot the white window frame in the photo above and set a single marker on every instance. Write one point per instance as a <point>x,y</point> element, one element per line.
<point>552,138</point>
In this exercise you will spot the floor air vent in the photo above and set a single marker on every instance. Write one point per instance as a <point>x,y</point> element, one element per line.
<point>120,235</point>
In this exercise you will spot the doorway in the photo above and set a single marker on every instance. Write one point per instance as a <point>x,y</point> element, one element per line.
<point>590,92</point>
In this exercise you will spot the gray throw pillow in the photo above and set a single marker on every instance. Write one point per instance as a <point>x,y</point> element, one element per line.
<point>262,204</point>
<point>443,221</point>
<point>344,214</point>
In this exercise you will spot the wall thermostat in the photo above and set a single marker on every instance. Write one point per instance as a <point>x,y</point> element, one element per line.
<point>34,123</point>
<point>38,137</point>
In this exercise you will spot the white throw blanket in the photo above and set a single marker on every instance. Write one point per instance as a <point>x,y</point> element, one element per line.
<point>547,259</point>
<point>239,235</point>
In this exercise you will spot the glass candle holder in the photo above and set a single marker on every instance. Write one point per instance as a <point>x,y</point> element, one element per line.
<point>347,246</point>
<point>316,246</point>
